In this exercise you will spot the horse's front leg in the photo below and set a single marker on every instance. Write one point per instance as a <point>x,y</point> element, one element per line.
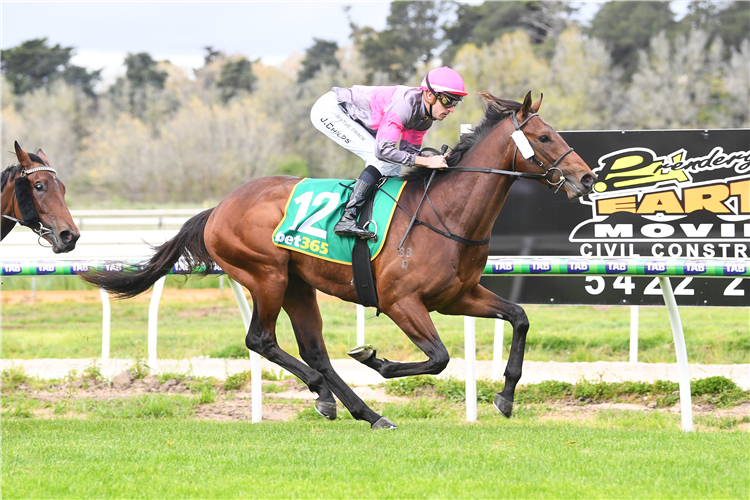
<point>482,303</point>
<point>414,319</point>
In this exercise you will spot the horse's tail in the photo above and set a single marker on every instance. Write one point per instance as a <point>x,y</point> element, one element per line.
<point>135,279</point>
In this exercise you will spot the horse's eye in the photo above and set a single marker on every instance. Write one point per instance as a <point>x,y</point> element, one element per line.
<point>544,138</point>
<point>39,186</point>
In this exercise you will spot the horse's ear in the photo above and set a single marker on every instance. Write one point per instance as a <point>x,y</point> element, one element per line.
<point>534,106</point>
<point>43,156</point>
<point>526,106</point>
<point>23,158</point>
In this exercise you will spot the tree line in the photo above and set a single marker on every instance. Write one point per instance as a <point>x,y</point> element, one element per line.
<point>160,136</point>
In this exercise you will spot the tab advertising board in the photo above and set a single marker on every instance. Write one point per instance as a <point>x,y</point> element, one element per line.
<point>669,194</point>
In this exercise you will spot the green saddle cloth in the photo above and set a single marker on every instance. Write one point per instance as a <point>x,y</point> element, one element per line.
<point>316,205</point>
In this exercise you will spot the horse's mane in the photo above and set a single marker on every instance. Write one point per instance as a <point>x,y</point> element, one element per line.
<point>14,169</point>
<point>8,173</point>
<point>496,110</point>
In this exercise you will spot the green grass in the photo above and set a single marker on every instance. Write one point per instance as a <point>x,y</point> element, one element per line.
<point>717,391</point>
<point>437,458</point>
<point>73,283</point>
<point>215,328</point>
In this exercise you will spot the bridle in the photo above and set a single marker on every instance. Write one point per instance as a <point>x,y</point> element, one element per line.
<point>548,175</point>
<point>22,193</point>
<point>549,172</point>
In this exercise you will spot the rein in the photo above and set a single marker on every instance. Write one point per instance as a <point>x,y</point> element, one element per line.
<point>22,193</point>
<point>548,175</point>
<point>549,172</point>
<point>416,222</point>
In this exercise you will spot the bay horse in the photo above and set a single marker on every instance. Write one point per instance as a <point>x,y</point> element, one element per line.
<point>32,195</point>
<point>444,267</point>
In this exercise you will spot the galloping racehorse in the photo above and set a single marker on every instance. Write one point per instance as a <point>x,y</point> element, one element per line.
<point>33,196</point>
<point>444,267</point>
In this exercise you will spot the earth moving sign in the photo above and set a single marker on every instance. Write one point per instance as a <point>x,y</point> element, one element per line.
<point>661,195</point>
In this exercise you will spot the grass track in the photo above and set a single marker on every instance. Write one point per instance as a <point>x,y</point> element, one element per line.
<point>188,329</point>
<point>318,459</point>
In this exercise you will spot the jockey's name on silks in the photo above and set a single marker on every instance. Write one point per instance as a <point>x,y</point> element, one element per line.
<point>314,207</point>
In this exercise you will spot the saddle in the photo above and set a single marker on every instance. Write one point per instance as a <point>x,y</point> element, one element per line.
<point>313,208</point>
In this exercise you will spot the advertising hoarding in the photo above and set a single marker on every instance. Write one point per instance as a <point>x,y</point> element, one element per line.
<point>659,195</point>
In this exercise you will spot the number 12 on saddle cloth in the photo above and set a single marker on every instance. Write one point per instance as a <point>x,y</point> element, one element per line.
<point>316,205</point>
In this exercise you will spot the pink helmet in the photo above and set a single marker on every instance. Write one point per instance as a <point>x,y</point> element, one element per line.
<point>444,80</point>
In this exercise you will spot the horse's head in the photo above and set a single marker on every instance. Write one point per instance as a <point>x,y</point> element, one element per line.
<point>545,152</point>
<point>39,201</point>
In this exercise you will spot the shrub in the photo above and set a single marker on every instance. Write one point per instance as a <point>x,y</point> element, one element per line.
<point>718,390</point>
<point>237,381</point>
<point>409,386</point>
<point>163,377</point>
<point>13,377</point>
<point>231,351</point>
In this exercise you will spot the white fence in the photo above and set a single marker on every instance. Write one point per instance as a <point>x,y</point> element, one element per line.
<point>21,249</point>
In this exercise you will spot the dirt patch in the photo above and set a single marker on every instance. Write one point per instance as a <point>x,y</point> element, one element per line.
<point>573,410</point>
<point>237,409</point>
<point>215,312</point>
<point>283,400</point>
<point>27,297</point>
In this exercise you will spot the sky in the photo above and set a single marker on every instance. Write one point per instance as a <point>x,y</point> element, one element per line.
<point>103,33</point>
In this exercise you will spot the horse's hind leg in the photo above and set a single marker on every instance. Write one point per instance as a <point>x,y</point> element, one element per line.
<point>414,320</point>
<point>301,305</point>
<point>261,336</point>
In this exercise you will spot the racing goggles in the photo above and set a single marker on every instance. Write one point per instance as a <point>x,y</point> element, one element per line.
<point>450,100</point>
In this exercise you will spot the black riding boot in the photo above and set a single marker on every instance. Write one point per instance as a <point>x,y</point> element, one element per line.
<point>347,226</point>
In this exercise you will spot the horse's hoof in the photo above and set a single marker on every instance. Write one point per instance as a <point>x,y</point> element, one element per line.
<point>362,353</point>
<point>503,405</point>
<point>328,410</point>
<point>384,423</point>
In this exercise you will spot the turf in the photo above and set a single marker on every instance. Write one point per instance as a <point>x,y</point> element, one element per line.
<point>345,459</point>
<point>189,329</point>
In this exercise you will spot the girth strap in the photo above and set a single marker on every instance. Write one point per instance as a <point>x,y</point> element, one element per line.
<point>447,233</point>
<point>464,241</point>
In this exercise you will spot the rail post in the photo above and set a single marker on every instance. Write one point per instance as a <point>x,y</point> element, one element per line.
<point>106,322</point>
<point>497,350</point>
<point>255,371</point>
<point>153,320</point>
<point>470,354</point>
<point>360,324</point>
<point>686,404</point>
<point>633,334</point>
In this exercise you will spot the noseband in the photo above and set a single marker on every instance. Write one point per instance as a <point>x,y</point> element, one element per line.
<point>22,193</point>
<point>549,172</point>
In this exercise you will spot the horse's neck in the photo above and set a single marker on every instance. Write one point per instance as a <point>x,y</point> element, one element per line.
<point>6,227</point>
<point>6,197</point>
<point>477,198</point>
<point>6,200</point>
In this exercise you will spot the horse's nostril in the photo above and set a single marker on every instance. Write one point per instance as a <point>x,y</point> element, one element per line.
<point>68,237</point>
<point>588,180</point>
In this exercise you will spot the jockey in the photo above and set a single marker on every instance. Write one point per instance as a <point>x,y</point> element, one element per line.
<point>384,126</point>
